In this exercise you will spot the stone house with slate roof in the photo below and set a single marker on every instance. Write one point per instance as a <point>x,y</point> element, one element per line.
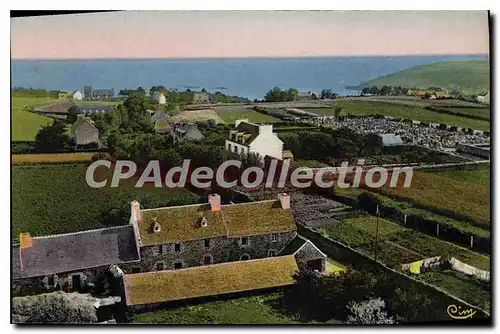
<point>70,261</point>
<point>249,246</point>
<point>203,234</point>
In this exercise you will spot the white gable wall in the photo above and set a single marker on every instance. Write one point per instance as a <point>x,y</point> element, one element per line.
<point>267,144</point>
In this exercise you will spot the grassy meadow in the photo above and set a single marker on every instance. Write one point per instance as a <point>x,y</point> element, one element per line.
<point>231,114</point>
<point>467,76</point>
<point>260,309</point>
<point>25,125</point>
<point>446,195</point>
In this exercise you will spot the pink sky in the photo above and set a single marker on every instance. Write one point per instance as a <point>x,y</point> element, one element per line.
<point>149,34</point>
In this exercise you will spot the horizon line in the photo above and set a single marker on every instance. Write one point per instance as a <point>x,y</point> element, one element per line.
<point>258,57</point>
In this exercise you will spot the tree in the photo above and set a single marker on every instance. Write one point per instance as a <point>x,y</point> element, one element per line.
<point>155,89</point>
<point>52,138</point>
<point>72,114</point>
<point>338,111</point>
<point>368,312</point>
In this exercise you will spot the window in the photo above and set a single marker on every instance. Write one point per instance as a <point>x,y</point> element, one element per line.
<point>207,259</point>
<point>160,249</point>
<point>271,252</point>
<point>235,149</point>
<point>159,266</point>
<point>244,241</point>
<point>274,237</point>
<point>177,265</point>
<point>51,282</point>
<point>76,282</point>
<point>177,248</point>
<point>136,270</point>
<point>229,147</point>
<point>207,243</point>
<point>242,150</point>
<point>245,257</point>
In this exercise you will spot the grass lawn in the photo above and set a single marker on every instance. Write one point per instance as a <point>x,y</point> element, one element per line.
<point>395,110</point>
<point>461,286</point>
<point>445,195</point>
<point>231,114</point>
<point>480,175</point>
<point>261,309</point>
<point>25,125</point>
<point>52,199</point>
<point>485,112</point>
<point>333,267</point>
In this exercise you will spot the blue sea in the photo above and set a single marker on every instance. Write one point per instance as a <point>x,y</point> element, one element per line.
<point>248,77</point>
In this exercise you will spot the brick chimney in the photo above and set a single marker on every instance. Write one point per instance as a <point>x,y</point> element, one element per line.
<point>214,200</point>
<point>284,200</point>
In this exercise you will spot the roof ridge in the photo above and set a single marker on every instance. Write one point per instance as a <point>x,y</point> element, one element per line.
<point>79,232</point>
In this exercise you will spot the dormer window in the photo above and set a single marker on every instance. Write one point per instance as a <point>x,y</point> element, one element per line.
<point>203,222</point>
<point>156,227</point>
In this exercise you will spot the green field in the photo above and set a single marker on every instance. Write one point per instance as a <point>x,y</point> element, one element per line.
<point>484,112</point>
<point>231,114</point>
<point>466,76</point>
<point>395,110</point>
<point>461,286</point>
<point>262,309</point>
<point>52,199</point>
<point>480,175</point>
<point>25,125</point>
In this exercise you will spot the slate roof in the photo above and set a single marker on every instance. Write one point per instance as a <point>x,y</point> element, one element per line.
<point>74,251</point>
<point>248,131</point>
<point>80,121</point>
<point>60,107</point>
<point>182,223</point>
<point>217,279</point>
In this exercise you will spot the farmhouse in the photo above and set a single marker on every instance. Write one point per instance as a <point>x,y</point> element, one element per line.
<point>306,96</point>
<point>187,132</point>
<point>58,109</point>
<point>483,98</point>
<point>252,138</point>
<point>98,94</point>
<point>170,247</point>
<point>159,98</point>
<point>70,261</point>
<point>77,95</point>
<point>84,132</point>
<point>201,98</point>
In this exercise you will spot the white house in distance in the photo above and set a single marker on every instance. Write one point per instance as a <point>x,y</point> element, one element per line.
<point>254,138</point>
<point>77,95</point>
<point>484,98</point>
<point>160,98</point>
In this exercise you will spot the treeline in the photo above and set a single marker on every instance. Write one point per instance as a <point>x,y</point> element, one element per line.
<point>331,145</point>
<point>385,90</point>
<point>184,97</point>
<point>278,95</point>
<point>32,92</point>
<point>292,94</point>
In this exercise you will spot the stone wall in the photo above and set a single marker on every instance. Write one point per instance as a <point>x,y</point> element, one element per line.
<point>222,249</point>
<point>62,282</point>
